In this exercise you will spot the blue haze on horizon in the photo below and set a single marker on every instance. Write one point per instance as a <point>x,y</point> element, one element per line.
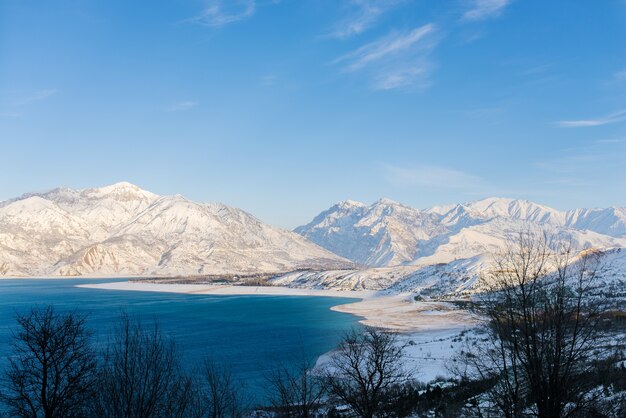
<point>284,107</point>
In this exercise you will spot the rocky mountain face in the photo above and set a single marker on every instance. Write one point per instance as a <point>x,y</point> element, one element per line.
<point>385,233</point>
<point>444,249</point>
<point>388,233</point>
<point>122,230</point>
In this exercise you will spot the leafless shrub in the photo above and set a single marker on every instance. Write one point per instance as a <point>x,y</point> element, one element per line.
<point>296,391</point>
<point>544,327</point>
<point>52,368</point>
<point>141,376</point>
<point>366,371</point>
<point>223,394</point>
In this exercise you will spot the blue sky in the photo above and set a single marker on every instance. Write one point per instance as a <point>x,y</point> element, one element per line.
<point>284,107</point>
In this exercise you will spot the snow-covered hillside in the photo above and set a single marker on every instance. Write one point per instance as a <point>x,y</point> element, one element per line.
<point>122,230</point>
<point>443,249</point>
<point>609,221</point>
<point>387,233</point>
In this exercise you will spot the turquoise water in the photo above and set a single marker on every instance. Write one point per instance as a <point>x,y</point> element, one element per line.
<point>253,334</point>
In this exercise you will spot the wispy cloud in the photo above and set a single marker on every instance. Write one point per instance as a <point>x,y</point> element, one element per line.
<point>398,60</point>
<point>432,177</point>
<point>621,75</point>
<point>615,117</point>
<point>485,9</point>
<point>35,97</point>
<point>222,12</point>
<point>363,15</point>
<point>181,106</point>
<point>383,48</point>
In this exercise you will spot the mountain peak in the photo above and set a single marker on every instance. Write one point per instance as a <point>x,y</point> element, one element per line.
<point>120,191</point>
<point>348,204</point>
<point>122,185</point>
<point>508,206</point>
<point>122,230</point>
<point>386,201</point>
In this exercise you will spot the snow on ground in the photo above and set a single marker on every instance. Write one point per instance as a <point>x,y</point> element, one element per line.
<point>399,313</point>
<point>431,332</point>
<point>212,289</point>
<point>430,354</point>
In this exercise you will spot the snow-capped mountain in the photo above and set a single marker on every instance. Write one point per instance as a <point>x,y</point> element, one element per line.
<point>442,249</point>
<point>388,233</point>
<point>609,221</point>
<point>445,249</point>
<point>123,230</point>
<point>494,207</point>
<point>382,234</point>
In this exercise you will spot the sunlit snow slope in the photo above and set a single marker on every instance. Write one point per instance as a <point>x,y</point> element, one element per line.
<point>444,249</point>
<point>122,230</point>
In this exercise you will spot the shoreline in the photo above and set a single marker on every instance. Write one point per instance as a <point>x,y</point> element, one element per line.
<point>225,289</point>
<point>393,312</point>
<point>428,331</point>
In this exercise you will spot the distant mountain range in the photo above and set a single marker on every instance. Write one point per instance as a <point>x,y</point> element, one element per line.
<point>387,233</point>
<point>444,249</point>
<point>121,230</point>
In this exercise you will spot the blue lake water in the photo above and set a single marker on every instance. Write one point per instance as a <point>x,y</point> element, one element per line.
<point>252,334</point>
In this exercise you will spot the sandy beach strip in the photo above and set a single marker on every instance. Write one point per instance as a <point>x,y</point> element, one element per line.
<point>213,289</point>
<point>399,313</point>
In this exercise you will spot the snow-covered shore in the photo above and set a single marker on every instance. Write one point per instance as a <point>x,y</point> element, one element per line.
<point>215,289</point>
<point>395,312</point>
<point>428,329</point>
<point>399,313</point>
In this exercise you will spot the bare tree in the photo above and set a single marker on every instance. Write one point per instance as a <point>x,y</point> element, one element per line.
<point>223,393</point>
<point>366,371</point>
<point>52,368</point>
<point>297,391</point>
<point>141,376</point>
<point>543,328</point>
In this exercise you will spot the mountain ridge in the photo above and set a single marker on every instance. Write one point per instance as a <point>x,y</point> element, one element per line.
<point>403,235</point>
<point>122,230</point>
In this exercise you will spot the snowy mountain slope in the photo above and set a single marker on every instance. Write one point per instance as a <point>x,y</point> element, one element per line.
<point>609,221</point>
<point>460,277</point>
<point>390,234</point>
<point>34,233</point>
<point>358,279</point>
<point>491,236</point>
<point>444,248</point>
<point>123,230</point>
<point>516,209</point>
<point>103,208</point>
<point>385,233</point>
